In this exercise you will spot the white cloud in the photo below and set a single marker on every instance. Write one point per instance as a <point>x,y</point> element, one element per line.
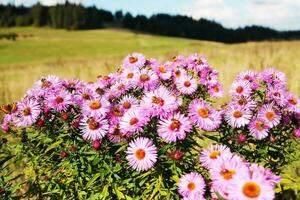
<point>273,13</point>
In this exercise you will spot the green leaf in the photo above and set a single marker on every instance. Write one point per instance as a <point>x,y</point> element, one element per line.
<point>91,181</point>
<point>54,145</point>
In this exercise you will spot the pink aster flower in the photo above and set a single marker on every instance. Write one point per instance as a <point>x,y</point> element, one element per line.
<point>216,90</point>
<point>44,85</point>
<point>250,186</point>
<point>258,128</point>
<point>273,77</point>
<point>270,115</point>
<point>164,71</point>
<point>240,88</point>
<point>94,128</point>
<point>59,100</point>
<point>85,94</point>
<point>209,157</point>
<point>191,186</point>
<point>28,112</point>
<point>269,175</point>
<point>186,85</point>
<point>196,62</point>
<point>244,103</point>
<point>117,89</point>
<point>147,79</point>
<point>159,102</point>
<point>178,60</point>
<point>248,75</point>
<point>202,114</point>
<point>133,121</point>
<point>277,95</point>
<point>224,170</point>
<point>96,107</point>
<point>293,103</point>
<point>174,128</point>
<point>237,117</point>
<point>115,114</point>
<point>208,76</point>
<point>179,72</point>
<point>134,61</point>
<point>129,76</point>
<point>128,102</point>
<point>141,154</point>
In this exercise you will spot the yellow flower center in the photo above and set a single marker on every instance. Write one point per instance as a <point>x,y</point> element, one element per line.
<point>94,105</point>
<point>140,154</point>
<point>162,69</point>
<point>133,121</point>
<point>259,125</point>
<point>251,189</point>
<point>26,111</point>
<point>191,186</point>
<point>293,101</point>
<point>187,83</point>
<point>175,125</point>
<point>158,101</point>
<point>126,105</point>
<point>93,124</point>
<point>239,89</point>
<point>203,112</point>
<point>227,174</point>
<point>237,114</point>
<point>270,115</point>
<point>132,59</point>
<point>214,154</point>
<point>59,100</point>
<point>130,75</point>
<point>144,78</point>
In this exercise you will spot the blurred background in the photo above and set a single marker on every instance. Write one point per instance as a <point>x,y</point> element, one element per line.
<point>83,39</point>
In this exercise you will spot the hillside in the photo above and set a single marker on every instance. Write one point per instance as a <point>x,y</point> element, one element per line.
<point>86,54</point>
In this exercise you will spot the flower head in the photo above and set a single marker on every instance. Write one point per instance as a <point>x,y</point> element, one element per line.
<point>174,128</point>
<point>191,186</point>
<point>141,154</point>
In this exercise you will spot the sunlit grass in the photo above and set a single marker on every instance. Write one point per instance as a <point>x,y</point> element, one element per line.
<point>86,54</point>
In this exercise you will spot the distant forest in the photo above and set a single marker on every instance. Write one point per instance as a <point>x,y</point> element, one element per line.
<point>77,17</point>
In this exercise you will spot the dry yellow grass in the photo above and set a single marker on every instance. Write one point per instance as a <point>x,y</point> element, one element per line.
<point>86,54</point>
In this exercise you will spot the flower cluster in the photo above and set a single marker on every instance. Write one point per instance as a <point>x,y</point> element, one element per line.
<point>121,104</point>
<point>232,177</point>
<point>154,111</point>
<point>260,102</point>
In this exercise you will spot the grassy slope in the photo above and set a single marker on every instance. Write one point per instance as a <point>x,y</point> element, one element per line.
<point>86,54</point>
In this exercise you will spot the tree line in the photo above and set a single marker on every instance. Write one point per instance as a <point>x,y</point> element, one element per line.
<point>76,17</point>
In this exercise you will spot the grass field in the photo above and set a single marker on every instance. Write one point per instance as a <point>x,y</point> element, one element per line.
<point>86,54</point>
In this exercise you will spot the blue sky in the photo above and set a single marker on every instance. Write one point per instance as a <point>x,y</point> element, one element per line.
<point>278,14</point>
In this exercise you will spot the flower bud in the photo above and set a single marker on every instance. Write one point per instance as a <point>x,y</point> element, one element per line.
<point>40,122</point>
<point>2,190</point>
<point>73,149</point>
<point>65,116</point>
<point>296,133</point>
<point>273,139</point>
<point>5,127</point>
<point>96,145</point>
<point>63,154</point>
<point>242,138</point>
<point>178,155</point>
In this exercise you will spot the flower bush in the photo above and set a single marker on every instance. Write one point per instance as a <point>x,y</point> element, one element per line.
<point>142,133</point>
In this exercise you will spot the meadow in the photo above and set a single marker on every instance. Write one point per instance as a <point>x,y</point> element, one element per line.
<point>86,54</point>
